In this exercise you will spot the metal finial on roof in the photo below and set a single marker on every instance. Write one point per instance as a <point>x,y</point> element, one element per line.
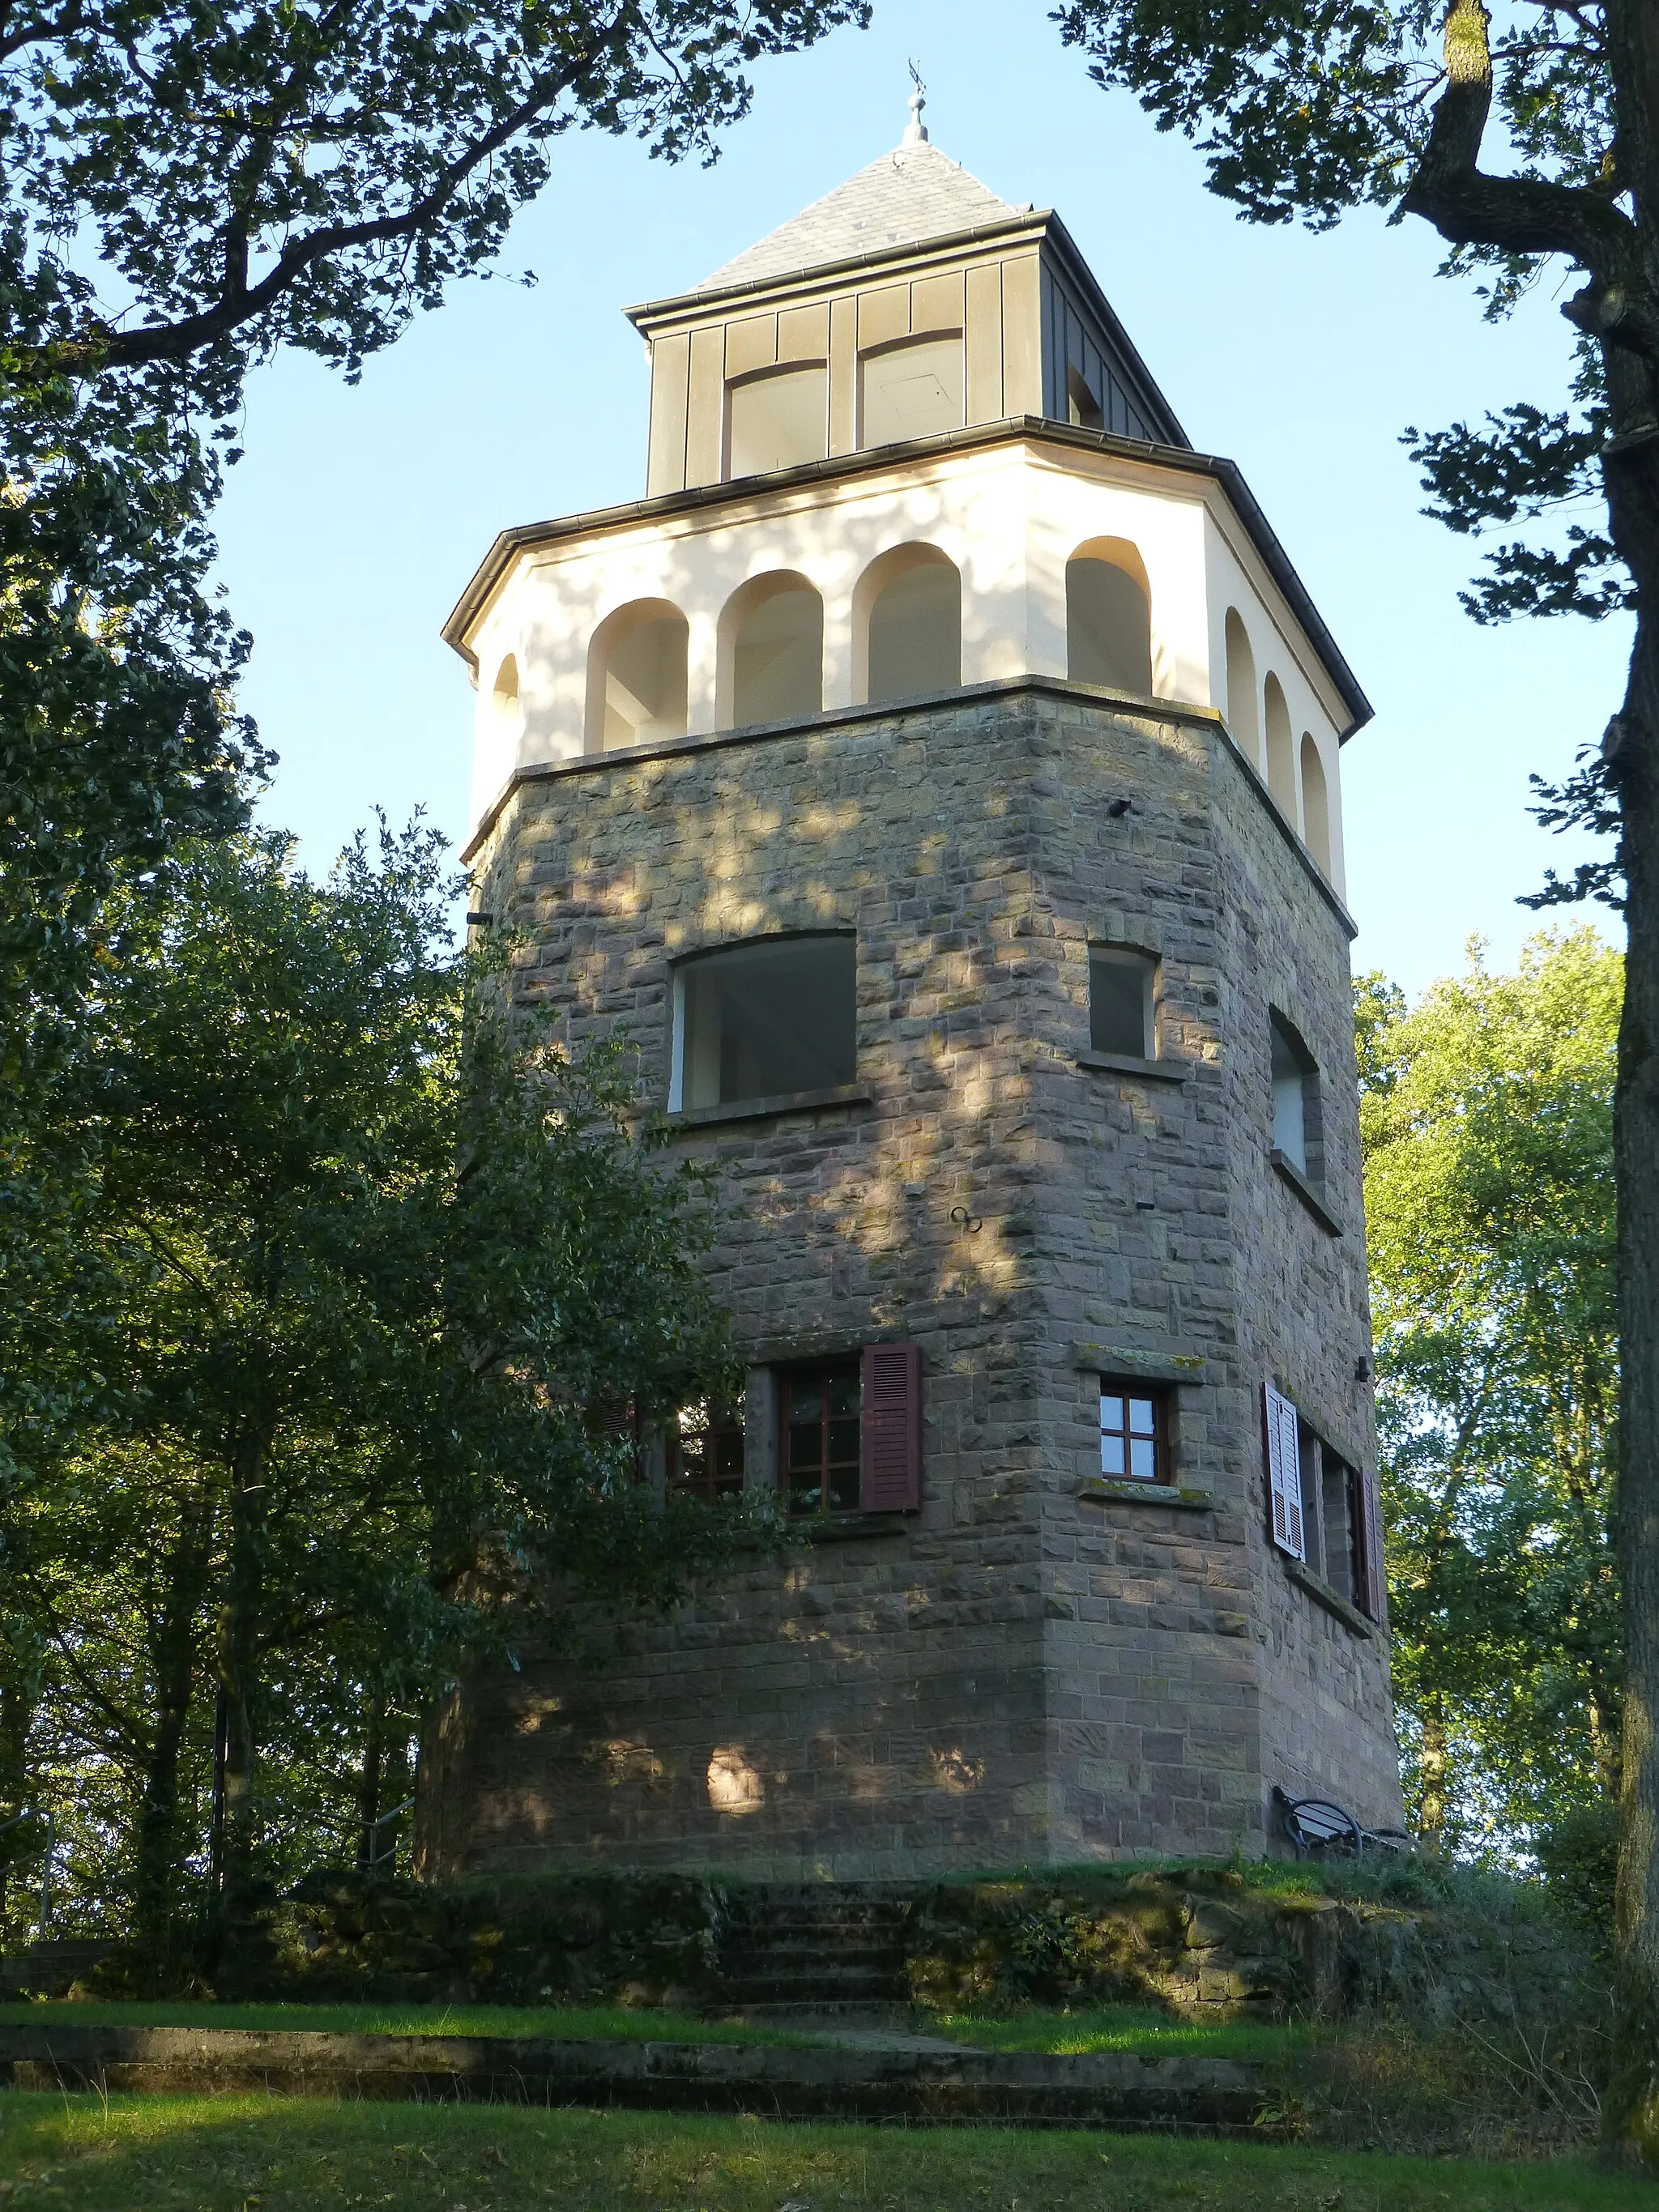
<point>915,131</point>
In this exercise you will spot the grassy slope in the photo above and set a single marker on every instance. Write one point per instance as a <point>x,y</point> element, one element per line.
<point>565,2023</point>
<point>1123,2028</point>
<point>254,2154</point>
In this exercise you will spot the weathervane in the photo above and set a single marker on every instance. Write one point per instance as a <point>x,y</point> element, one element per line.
<point>915,131</point>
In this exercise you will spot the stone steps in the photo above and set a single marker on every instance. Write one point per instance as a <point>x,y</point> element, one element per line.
<point>813,1948</point>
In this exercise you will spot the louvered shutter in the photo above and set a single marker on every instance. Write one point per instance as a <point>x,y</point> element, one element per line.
<point>1284,1474</point>
<point>890,1465</point>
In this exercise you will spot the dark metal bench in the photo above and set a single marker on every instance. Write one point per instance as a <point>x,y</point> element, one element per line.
<point>1315,1823</point>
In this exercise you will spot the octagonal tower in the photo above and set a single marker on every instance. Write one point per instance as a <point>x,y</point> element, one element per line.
<point>938,774</point>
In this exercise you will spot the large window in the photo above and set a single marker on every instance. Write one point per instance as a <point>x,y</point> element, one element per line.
<point>764,1020</point>
<point>1324,1510</point>
<point>777,419</point>
<point>820,1409</point>
<point>1133,1433</point>
<point>911,390</point>
<point>849,1433</point>
<point>1120,1022</point>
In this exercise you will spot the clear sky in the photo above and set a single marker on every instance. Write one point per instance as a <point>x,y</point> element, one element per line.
<point>359,513</point>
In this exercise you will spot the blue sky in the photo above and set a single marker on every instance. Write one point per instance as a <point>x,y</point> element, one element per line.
<point>359,513</point>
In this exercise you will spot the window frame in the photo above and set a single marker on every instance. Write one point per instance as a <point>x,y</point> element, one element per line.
<point>709,1485</point>
<point>826,1372</point>
<point>1161,1396</point>
<point>708,957</point>
<point>1149,966</point>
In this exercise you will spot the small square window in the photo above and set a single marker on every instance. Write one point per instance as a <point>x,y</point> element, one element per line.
<point>705,1451</point>
<point>1120,1002</point>
<point>1134,1433</point>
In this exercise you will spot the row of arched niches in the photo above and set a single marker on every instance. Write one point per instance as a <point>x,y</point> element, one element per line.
<point>907,641</point>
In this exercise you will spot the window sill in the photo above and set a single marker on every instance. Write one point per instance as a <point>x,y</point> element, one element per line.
<point>1123,1063</point>
<point>842,1528</point>
<point>759,1110</point>
<point>1287,1170</point>
<point>1322,1594</point>
<point>1129,1492</point>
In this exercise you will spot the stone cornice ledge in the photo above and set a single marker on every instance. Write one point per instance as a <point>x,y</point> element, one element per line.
<point>756,1110</point>
<point>1172,1363</point>
<point>1333,1600</point>
<point>1123,1063</point>
<point>1287,1170</point>
<point>1104,1492</point>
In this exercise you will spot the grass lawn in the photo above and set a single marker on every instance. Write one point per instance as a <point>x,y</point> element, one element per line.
<point>82,2154</point>
<point>567,2023</point>
<point>1123,2028</point>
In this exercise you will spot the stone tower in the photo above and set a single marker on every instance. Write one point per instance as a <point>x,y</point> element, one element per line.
<point>938,774</point>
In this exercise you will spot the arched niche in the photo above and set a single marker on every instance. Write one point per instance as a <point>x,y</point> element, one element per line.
<point>504,692</point>
<point>1243,719</point>
<point>907,625</point>
<point>636,675</point>
<point>771,651</point>
<point>1108,616</point>
<point>777,418</point>
<point>1315,804</point>
<point>1281,747</point>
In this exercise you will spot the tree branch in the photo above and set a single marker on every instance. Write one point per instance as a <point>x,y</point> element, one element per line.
<point>176,341</point>
<point>1524,215</point>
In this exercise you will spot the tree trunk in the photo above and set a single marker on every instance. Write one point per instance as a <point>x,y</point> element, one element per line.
<point>237,1666</point>
<point>1631,2109</point>
<point>159,1850</point>
<point>368,1788</point>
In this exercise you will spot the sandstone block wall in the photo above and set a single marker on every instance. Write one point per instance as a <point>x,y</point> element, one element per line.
<point>1014,1674</point>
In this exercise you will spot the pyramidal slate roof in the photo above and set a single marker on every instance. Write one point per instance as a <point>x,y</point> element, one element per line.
<point>913,193</point>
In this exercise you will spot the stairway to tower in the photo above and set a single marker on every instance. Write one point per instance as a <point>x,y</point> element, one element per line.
<point>836,1948</point>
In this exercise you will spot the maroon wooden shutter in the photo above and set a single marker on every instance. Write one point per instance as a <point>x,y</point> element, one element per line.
<point>890,1466</point>
<point>1284,1474</point>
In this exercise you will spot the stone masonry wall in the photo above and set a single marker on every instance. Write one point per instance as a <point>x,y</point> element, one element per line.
<point>1013,1675</point>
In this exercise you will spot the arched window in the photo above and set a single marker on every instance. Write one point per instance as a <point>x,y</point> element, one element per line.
<point>771,651</point>
<point>1108,622</point>
<point>506,694</point>
<point>636,675</point>
<point>1281,749</point>
<point>777,418</point>
<point>910,390</point>
<point>1315,804</point>
<point>908,613</point>
<point>1243,719</point>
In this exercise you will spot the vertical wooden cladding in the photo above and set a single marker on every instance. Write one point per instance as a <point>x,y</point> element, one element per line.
<point>1285,1474</point>
<point>982,342</point>
<point>706,406</point>
<point>671,370</point>
<point>891,1467</point>
<point>1021,335</point>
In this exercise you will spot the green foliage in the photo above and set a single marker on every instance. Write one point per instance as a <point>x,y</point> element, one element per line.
<point>354,1283</point>
<point>1487,1122</point>
<point>1311,108</point>
<point>183,189</point>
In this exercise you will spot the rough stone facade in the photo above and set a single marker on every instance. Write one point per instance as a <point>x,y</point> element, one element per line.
<point>1017,1674</point>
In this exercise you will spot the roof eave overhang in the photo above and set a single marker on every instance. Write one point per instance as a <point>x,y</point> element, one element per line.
<point>654,315</point>
<point>1181,459</point>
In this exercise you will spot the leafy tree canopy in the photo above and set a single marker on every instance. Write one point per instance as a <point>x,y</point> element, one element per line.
<point>1486,1119</point>
<point>182,189</point>
<point>367,1282</point>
